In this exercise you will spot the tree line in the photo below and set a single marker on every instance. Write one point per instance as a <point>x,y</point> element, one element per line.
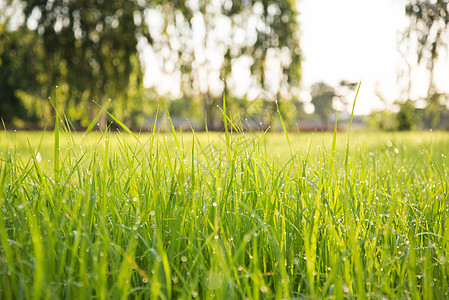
<point>90,50</point>
<point>427,38</point>
<point>88,54</point>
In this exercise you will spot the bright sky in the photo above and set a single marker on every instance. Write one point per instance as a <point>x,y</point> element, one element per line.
<point>357,40</point>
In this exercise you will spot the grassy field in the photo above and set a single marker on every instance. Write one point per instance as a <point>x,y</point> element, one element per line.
<point>238,215</point>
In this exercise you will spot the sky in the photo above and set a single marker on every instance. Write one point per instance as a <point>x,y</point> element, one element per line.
<point>358,40</point>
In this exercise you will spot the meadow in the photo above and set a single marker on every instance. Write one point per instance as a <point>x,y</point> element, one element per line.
<point>234,215</point>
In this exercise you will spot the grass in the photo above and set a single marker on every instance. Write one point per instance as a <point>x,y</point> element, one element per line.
<point>235,215</point>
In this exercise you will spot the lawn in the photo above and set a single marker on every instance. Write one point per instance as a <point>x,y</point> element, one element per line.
<point>239,215</point>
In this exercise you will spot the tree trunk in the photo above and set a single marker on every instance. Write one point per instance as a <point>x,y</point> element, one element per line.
<point>324,122</point>
<point>103,117</point>
<point>208,111</point>
<point>94,110</point>
<point>103,120</point>
<point>220,125</point>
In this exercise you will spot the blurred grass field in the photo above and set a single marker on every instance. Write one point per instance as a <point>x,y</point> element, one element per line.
<point>237,215</point>
<point>274,145</point>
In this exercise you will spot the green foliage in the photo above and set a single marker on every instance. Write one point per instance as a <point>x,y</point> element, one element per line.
<point>281,31</point>
<point>86,48</point>
<point>269,29</point>
<point>17,69</point>
<point>261,114</point>
<point>322,96</point>
<point>89,50</point>
<point>429,22</point>
<point>407,117</point>
<point>383,120</point>
<point>435,109</point>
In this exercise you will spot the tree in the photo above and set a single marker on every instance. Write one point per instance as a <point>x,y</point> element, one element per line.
<point>322,96</point>
<point>383,120</point>
<point>89,48</point>
<point>429,21</point>
<point>435,109</point>
<point>88,45</point>
<point>205,41</point>
<point>16,65</point>
<point>407,118</point>
<point>11,75</point>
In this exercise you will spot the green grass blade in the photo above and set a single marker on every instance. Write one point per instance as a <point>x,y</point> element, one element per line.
<point>123,126</point>
<point>56,140</point>
<point>94,121</point>
<point>350,124</point>
<point>283,127</point>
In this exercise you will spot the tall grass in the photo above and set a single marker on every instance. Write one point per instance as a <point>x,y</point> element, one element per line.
<point>232,215</point>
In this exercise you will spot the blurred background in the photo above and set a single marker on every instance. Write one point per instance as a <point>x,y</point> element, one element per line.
<point>305,57</point>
